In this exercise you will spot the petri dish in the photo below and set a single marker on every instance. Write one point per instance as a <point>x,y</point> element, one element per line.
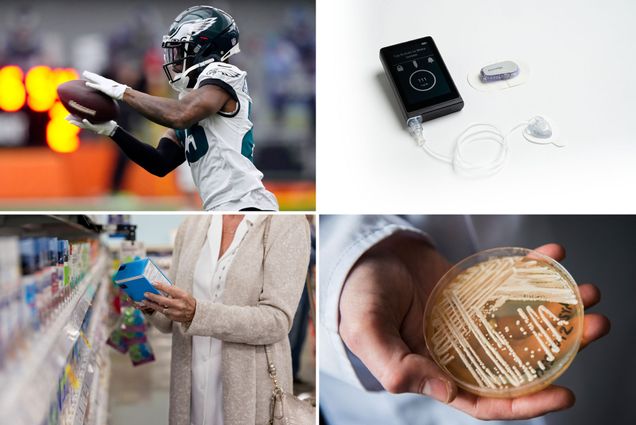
<point>504,322</point>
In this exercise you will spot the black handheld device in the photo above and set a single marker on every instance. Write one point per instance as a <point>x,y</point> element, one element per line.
<point>420,80</point>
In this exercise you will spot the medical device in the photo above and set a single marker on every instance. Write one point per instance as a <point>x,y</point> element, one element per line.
<point>420,80</point>
<point>425,90</point>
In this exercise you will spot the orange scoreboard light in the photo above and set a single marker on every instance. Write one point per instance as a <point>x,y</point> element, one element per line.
<point>30,111</point>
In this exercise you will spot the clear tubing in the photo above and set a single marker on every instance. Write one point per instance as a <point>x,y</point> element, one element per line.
<point>474,133</point>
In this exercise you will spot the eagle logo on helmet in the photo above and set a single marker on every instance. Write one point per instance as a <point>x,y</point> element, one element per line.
<point>193,28</point>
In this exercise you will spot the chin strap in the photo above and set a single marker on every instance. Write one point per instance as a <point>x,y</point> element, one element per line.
<point>234,50</point>
<point>179,83</point>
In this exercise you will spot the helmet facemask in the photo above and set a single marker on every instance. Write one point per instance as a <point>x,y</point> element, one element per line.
<point>176,58</point>
<point>180,59</point>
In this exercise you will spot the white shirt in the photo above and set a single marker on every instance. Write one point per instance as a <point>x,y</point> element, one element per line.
<point>210,273</point>
<point>218,147</point>
<point>349,394</point>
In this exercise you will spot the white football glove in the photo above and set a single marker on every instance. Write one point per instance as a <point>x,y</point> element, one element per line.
<point>104,128</point>
<point>109,87</point>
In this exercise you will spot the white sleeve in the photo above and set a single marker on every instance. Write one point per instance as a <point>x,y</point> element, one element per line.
<point>343,240</point>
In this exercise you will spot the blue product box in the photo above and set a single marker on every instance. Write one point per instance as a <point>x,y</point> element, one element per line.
<point>137,277</point>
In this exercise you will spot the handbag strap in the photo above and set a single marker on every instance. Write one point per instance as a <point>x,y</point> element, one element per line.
<point>277,390</point>
<point>271,368</point>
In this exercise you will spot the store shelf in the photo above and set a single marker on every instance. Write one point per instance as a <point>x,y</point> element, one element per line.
<point>101,412</point>
<point>76,406</point>
<point>98,401</point>
<point>62,226</point>
<point>30,383</point>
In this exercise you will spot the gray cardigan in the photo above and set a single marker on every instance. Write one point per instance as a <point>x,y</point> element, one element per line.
<point>262,290</point>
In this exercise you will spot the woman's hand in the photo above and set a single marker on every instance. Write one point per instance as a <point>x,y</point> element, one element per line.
<point>381,310</point>
<point>180,306</point>
<point>141,305</point>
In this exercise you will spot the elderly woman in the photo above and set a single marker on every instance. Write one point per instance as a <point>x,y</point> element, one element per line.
<point>237,281</point>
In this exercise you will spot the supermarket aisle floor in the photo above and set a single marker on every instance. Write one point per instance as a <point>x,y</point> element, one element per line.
<point>140,395</point>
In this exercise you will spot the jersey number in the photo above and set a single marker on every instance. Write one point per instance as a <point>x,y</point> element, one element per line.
<point>196,143</point>
<point>247,145</point>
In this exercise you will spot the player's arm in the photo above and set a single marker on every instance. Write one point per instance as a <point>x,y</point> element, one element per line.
<point>167,156</point>
<point>173,113</point>
<point>182,113</point>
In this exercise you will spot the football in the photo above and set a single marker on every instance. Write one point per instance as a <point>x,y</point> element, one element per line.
<point>85,102</point>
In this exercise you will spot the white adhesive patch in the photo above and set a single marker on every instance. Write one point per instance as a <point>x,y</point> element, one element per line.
<point>555,139</point>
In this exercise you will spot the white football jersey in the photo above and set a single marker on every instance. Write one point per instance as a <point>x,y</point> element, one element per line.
<point>219,148</point>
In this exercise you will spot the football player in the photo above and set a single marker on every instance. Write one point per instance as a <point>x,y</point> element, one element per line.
<point>209,125</point>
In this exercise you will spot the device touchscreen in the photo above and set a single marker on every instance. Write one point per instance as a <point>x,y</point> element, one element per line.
<point>419,76</point>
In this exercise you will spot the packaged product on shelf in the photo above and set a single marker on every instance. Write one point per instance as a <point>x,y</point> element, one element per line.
<point>9,295</point>
<point>69,378</point>
<point>40,309</point>
<point>29,257</point>
<point>44,295</point>
<point>73,263</point>
<point>52,264</point>
<point>63,267</point>
<point>70,381</point>
<point>81,256</point>
<point>43,272</point>
<point>53,417</point>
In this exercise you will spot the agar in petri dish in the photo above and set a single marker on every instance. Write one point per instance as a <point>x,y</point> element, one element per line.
<point>504,322</point>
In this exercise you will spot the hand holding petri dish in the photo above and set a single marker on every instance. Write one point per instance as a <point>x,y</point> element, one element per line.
<point>504,322</point>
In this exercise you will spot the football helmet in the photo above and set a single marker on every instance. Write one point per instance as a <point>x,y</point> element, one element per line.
<point>199,36</point>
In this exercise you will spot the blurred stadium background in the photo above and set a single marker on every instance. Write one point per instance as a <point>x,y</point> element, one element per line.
<point>46,164</point>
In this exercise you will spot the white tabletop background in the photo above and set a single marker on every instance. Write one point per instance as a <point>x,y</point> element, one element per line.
<point>582,56</point>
